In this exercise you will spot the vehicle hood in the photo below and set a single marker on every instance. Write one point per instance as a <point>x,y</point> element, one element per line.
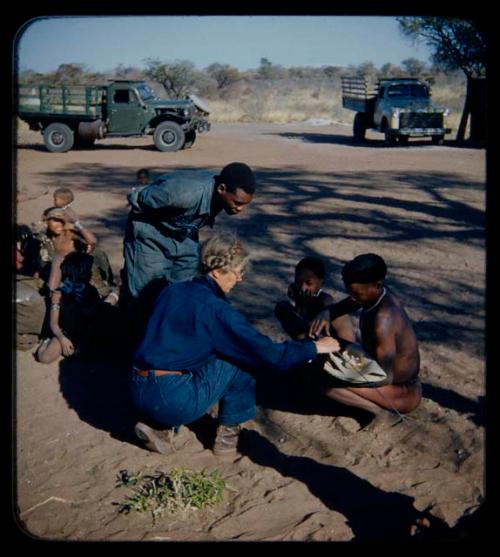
<point>413,105</point>
<point>169,103</point>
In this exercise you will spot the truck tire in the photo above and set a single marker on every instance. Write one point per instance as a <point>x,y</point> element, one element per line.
<point>169,136</point>
<point>58,138</point>
<point>437,139</point>
<point>190,139</point>
<point>359,127</point>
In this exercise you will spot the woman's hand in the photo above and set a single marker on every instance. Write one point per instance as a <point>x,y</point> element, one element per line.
<point>67,346</point>
<point>320,324</point>
<point>327,344</point>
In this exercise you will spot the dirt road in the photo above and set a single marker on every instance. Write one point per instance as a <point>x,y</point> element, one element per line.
<point>306,474</point>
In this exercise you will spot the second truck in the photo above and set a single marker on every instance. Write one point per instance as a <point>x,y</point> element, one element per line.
<point>400,108</point>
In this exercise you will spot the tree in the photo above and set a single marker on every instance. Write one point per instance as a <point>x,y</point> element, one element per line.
<point>367,69</point>
<point>414,67</point>
<point>458,44</point>
<point>69,73</point>
<point>332,72</point>
<point>224,74</point>
<point>177,78</point>
<point>267,70</point>
<point>390,70</point>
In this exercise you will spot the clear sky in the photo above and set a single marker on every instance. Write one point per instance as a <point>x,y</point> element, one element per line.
<point>102,43</point>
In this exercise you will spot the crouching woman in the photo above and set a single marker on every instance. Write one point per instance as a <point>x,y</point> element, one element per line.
<point>198,350</point>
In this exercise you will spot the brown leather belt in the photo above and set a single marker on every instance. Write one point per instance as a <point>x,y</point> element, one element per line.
<point>157,372</point>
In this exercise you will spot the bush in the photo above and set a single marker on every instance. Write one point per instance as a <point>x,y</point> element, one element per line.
<point>180,490</point>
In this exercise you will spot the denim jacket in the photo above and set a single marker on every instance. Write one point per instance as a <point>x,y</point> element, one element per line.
<point>193,323</point>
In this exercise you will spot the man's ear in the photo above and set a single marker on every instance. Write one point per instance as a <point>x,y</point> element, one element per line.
<point>221,188</point>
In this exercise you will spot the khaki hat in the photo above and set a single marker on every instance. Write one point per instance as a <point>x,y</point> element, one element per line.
<point>55,213</point>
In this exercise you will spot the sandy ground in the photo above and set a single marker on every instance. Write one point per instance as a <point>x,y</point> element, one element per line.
<point>306,473</point>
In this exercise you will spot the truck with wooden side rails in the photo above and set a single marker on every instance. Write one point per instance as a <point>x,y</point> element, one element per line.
<point>75,116</point>
<point>400,108</point>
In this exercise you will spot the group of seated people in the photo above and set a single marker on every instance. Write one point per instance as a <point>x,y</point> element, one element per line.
<point>63,278</point>
<point>195,350</point>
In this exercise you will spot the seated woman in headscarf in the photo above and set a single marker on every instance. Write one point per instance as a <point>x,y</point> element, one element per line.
<point>198,350</point>
<point>386,334</point>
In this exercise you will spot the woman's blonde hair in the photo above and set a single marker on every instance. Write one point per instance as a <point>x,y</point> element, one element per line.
<point>223,250</point>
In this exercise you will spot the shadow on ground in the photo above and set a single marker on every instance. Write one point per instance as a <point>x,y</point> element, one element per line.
<point>371,513</point>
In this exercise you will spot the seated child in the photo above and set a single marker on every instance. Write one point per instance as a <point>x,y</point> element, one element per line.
<point>307,299</point>
<point>73,309</point>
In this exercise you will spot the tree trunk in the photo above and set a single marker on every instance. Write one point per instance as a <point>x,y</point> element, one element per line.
<point>465,113</point>
<point>475,106</point>
<point>478,115</point>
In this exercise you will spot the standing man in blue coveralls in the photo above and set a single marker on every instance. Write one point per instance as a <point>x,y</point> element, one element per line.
<point>161,242</point>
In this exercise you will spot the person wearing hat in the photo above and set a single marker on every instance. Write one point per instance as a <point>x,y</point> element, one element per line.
<point>386,334</point>
<point>161,238</point>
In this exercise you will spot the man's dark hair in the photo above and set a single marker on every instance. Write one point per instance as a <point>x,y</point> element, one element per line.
<point>237,175</point>
<point>312,264</point>
<point>143,172</point>
<point>364,269</point>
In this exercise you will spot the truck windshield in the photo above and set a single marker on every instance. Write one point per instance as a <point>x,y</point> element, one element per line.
<point>145,92</point>
<point>408,90</point>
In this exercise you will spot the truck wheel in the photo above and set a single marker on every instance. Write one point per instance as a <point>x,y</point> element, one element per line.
<point>359,127</point>
<point>437,139</point>
<point>58,138</point>
<point>169,136</point>
<point>190,139</point>
<point>403,139</point>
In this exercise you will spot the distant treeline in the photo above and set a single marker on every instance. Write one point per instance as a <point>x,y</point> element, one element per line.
<point>182,77</point>
<point>270,93</point>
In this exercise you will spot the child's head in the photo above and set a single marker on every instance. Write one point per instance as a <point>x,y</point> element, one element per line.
<point>143,176</point>
<point>63,197</point>
<point>310,274</point>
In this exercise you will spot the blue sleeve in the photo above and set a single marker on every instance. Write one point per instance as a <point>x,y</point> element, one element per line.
<point>235,338</point>
<point>163,195</point>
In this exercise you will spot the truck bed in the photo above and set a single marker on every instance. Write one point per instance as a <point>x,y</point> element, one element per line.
<point>67,100</point>
<point>358,94</point>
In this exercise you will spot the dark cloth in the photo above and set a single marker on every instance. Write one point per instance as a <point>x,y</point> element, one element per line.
<point>78,312</point>
<point>193,323</point>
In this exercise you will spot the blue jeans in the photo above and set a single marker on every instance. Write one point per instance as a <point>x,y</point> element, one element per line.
<point>174,400</point>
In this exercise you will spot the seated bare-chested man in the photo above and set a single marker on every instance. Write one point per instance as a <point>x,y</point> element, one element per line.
<point>386,334</point>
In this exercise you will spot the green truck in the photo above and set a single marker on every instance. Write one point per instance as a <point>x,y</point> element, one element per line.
<point>400,108</point>
<point>74,116</point>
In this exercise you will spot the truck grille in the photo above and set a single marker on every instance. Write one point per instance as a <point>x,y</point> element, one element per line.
<point>420,120</point>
